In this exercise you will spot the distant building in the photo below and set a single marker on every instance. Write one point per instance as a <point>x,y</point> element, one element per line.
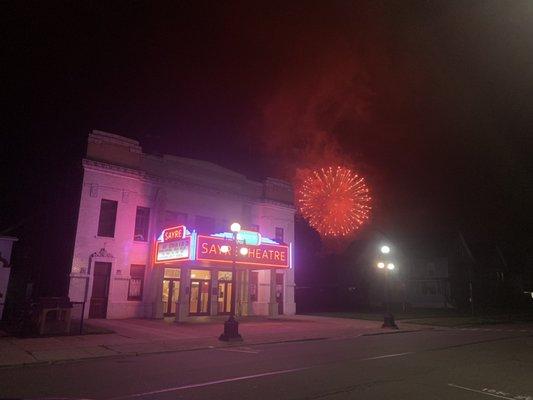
<point>437,271</point>
<point>479,272</point>
<point>150,230</point>
<point>427,273</point>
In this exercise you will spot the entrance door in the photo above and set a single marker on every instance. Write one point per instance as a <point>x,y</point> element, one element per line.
<point>224,297</point>
<point>199,299</point>
<point>171,291</point>
<point>100,292</point>
<point>279,292</point>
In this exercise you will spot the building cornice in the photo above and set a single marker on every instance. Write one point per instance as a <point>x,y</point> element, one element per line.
<point>164,181</point>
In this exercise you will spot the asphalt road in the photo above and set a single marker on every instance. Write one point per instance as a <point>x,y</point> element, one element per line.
<point>439,364</point>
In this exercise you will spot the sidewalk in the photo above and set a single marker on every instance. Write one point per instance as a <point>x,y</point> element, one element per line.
<point>143,336</point>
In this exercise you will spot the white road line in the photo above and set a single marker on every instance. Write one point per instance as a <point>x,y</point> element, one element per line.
<point>387,356</point>
<point>239,350</point>
<point>480,391</point>
<point>239,378</point>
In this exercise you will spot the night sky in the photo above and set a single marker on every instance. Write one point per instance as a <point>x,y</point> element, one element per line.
<point>432,101</point>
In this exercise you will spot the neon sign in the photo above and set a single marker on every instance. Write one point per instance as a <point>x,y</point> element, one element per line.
<point>249,237</point>
<point>174,233</point>
<point>208,249</point>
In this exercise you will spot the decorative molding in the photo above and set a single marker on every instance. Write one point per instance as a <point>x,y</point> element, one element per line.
<point>102,253</point>
<point>125,196</point>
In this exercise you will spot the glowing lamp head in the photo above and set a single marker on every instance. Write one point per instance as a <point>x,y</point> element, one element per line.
<point>390,266</point>
<point>243,251</point>
<point>235,227</point>
<point>381,265</point>
<point>385,249</point>
<point>224,249</point>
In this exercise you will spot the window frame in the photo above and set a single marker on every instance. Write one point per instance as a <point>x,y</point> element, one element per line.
<point>99,231</point>
<point>146,227</point>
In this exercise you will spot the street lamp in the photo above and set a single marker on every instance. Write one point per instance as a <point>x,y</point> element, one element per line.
<point>385,249</point>
<point>388,318</point>
<point>231,326</point>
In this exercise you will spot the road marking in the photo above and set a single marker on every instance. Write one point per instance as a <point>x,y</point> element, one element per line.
<point>248,350</point>
<point>482,392</point>
<point>387,356</point>
<point>195,385</point>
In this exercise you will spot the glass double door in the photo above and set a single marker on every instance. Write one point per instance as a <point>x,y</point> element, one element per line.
<point>199,297</point>
<point>224,297</point>
<point>170,295</point>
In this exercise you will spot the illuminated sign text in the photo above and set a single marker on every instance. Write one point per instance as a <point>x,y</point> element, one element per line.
<point>266,255</point>
<point>175,233</point>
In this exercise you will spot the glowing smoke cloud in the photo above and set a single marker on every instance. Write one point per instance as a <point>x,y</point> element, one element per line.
<point>335,201</point>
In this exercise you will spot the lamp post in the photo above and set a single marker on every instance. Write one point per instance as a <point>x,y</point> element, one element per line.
<point>387,267</point>
<point>231,326</point>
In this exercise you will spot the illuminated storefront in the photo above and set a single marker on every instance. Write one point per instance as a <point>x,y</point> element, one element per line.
<point>200,262</point>
<point>152,231</point>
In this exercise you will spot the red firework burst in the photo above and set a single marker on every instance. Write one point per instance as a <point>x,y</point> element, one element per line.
<point>335,201</point>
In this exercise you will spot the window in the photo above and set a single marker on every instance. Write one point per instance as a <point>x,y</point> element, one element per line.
<point>135,291</point>
<point>204,224</point>
<point>224,276</point>
<point>181,218</point>
<point>429,289</point>
<point>107,220</point>
<point>222,226</point>
<point>142,220</point>
<point>431,269</point>
<point>173,218</point>
<point>200,274</point>
<point>173,273</point>
<point>279,235</point>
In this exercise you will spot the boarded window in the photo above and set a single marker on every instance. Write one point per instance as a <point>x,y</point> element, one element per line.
<point>142,221</point>
<point>174,218</point>
<point>135,291</point>
<point>108,217</point>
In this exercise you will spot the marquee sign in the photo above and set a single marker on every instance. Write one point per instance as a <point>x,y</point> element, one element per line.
<point>173,250</point>
<point>264,255</point>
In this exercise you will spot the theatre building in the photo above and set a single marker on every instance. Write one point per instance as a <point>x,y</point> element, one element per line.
<point>153,238</point>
